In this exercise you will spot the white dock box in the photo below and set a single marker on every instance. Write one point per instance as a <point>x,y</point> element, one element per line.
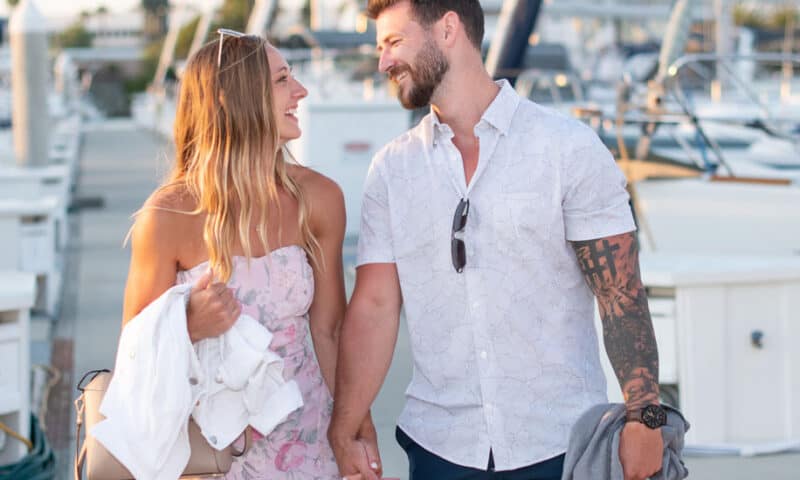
<point>340,136</point>
<point>16,298</point>
<point>727,330</point>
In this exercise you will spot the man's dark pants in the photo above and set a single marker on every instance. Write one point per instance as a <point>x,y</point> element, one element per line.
<point>424,465</point>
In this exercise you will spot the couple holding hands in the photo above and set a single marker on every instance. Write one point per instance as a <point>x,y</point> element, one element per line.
<point>494,223</point>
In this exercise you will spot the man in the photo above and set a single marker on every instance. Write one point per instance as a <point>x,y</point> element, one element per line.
<point>492,223</point>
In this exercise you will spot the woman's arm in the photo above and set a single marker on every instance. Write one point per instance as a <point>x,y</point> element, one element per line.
<point>327,221</point>
<point>154,261</point>
<point>328,308</point>
<point>156,238</point>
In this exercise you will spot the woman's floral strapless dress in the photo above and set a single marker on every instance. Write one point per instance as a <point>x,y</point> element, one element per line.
<point>277,289</point>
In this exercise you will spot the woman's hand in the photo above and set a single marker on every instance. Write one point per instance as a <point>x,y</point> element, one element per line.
<point>212,308</point>
<point>369,438</point>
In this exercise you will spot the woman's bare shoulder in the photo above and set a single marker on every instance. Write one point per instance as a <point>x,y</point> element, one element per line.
<point>324,197</point>
<point>171,199</point>
<point>168,214</point>
<point>316,186</point>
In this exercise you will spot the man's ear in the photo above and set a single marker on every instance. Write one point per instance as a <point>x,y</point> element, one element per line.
<point>450,27</point>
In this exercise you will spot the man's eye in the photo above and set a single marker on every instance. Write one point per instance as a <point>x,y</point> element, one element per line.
<point>283,79</point>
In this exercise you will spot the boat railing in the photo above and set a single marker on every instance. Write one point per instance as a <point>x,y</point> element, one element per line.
<point>738,71</point>
<point>554,87</point>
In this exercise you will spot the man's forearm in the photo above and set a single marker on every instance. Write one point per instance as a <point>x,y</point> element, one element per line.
<point>366,346</point>
<point>611,267</point>
<point>631,346</point>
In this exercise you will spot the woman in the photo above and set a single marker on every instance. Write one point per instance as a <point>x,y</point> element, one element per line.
<point>255,234</point>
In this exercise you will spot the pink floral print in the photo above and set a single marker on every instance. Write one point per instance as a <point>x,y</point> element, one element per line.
<point>277,289</point>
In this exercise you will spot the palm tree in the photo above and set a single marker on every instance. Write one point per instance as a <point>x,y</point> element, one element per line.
<point>234,13</point>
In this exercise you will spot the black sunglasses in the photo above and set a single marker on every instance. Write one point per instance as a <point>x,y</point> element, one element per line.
<point>457,248</point>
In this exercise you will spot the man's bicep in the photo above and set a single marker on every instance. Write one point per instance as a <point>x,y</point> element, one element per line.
<point>610,264</point>
<point>377,288</point>
<point>375,239</point>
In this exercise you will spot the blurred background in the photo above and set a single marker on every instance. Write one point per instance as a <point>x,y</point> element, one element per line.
<point>697,99</point>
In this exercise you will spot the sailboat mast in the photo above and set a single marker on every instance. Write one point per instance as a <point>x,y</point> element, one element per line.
<point>261,16</point>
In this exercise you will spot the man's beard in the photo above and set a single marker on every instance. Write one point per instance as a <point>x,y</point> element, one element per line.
<point>430,65</point>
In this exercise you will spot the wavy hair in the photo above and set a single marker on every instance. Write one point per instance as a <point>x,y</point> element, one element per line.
<point>227,151</point>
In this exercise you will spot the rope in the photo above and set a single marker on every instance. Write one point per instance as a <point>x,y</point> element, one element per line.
<point>38,464</point>
<point>55,378</point>
<point>11,432</point>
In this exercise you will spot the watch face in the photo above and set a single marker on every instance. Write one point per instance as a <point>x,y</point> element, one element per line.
<point>654,416</point>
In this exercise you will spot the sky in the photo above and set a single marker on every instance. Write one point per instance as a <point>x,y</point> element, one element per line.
<point>70,8</point>
<point>67,8</point>
<point>61,8</point>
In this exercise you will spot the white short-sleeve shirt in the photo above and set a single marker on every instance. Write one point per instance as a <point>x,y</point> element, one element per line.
<point>505,353</point>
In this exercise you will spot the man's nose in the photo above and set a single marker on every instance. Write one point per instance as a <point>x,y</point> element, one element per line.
<point>385,62</point>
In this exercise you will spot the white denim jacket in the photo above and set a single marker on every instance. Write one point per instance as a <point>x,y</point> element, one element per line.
<point>160,379</point>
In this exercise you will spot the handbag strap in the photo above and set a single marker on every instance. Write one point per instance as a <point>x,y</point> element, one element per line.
<point>80,447</point>
<point>247,442</point>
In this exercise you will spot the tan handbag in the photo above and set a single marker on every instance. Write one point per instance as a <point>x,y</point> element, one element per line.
<point>205,461</point>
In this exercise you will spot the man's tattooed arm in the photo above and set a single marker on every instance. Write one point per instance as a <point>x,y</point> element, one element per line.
<point>611,268</point>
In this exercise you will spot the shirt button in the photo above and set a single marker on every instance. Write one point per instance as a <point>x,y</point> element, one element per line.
<point>192,381</point>
<point>484,355</point>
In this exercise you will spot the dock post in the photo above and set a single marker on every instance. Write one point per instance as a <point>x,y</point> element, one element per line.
<point>29,76</point>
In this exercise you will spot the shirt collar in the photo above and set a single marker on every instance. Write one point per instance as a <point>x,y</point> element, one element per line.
<point>437,130</point>
<point>501,110</point>
<point>499,114</point>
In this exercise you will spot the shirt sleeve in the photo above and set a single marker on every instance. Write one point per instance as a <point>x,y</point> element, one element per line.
<point>595,202</point>
<point>375,244</point>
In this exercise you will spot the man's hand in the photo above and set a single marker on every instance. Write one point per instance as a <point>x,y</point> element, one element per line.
<point>641,451</point>
<point>212,309</point>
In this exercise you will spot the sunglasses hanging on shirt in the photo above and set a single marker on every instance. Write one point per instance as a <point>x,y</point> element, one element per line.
<point>458,250</point>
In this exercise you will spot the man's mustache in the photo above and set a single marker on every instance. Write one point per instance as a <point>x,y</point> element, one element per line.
<point>395,72</point>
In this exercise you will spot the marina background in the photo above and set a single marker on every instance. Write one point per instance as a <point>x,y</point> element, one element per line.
<point>698,100</point>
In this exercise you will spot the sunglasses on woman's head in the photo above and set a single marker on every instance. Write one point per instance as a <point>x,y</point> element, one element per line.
<point>231,33</point>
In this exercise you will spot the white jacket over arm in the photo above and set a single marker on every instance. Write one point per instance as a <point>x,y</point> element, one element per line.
<point>160,379</point>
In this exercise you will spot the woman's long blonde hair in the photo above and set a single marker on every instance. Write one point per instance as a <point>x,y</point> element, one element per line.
<point>227,150</point>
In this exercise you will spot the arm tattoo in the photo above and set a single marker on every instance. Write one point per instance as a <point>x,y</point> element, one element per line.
<point>611,268</point>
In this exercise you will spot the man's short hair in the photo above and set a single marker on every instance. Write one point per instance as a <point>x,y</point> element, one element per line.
<point>427,12</point>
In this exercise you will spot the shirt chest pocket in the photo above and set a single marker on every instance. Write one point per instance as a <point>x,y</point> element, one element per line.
<point>523,224</point>
<point>416,230</point>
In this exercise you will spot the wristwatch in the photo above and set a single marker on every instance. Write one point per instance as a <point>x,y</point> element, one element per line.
<point>652,416</point>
